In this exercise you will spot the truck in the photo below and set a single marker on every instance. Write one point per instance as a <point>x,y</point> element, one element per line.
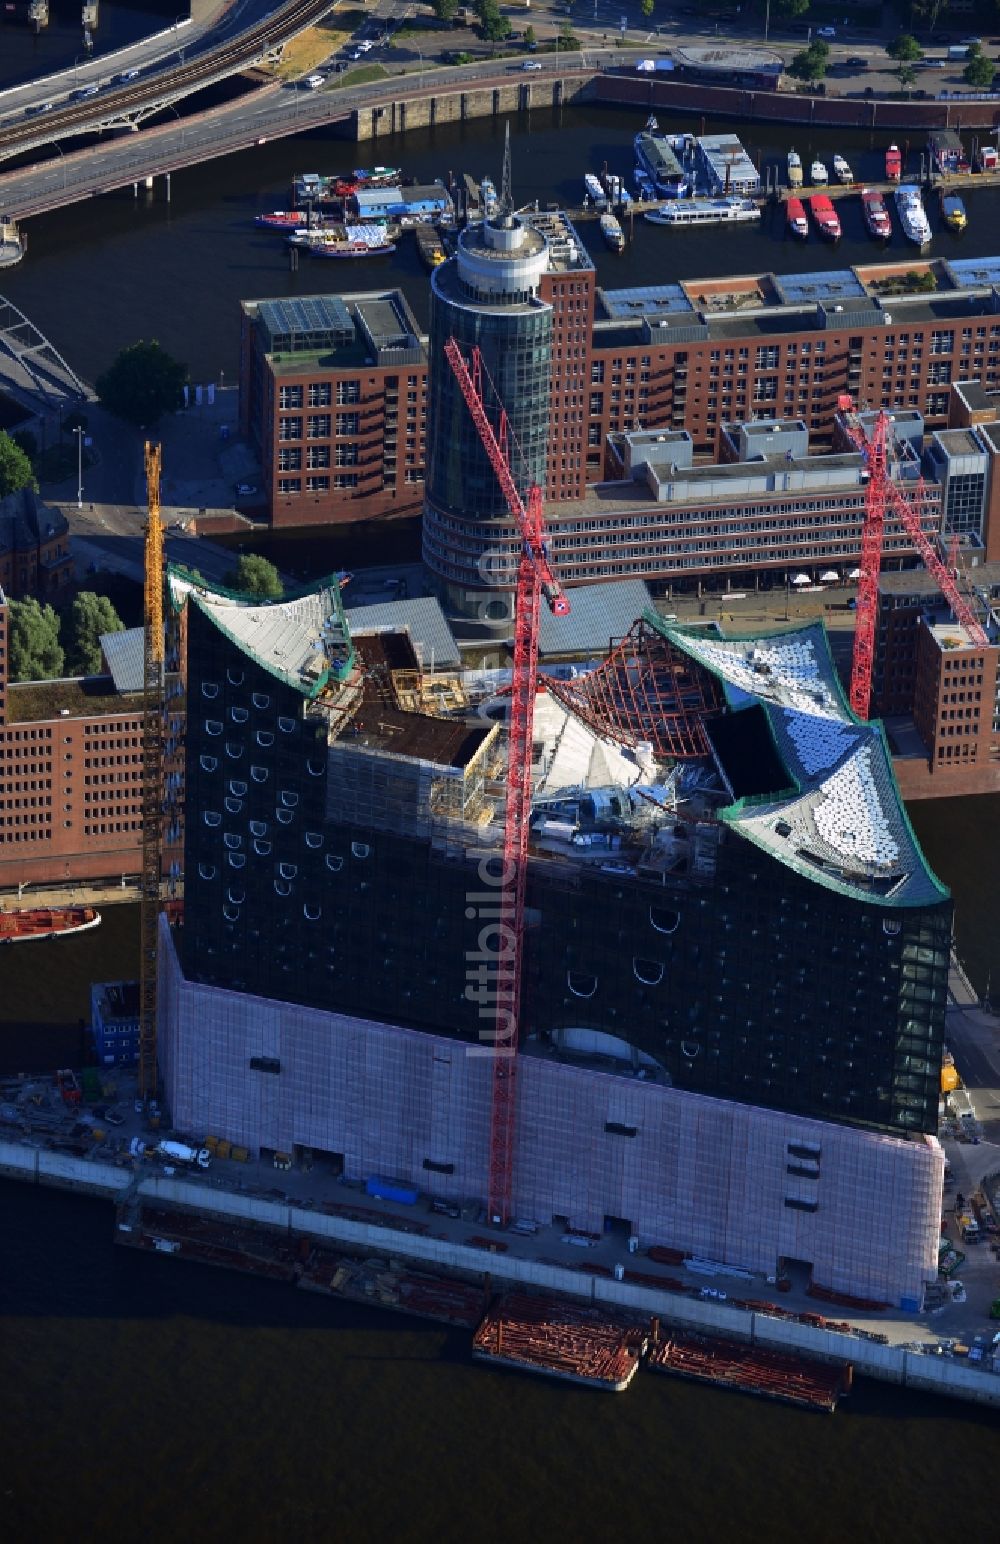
<point>958,51</point>
<point>172,1152</point>
<point>69,1087</point>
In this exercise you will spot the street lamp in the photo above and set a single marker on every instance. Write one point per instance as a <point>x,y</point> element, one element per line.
<point>78,431</point>
<point>767,19</point>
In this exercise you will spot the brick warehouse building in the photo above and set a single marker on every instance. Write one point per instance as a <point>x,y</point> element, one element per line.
<point>71,777</point>
<point>34,548</point>
<point>692,355</point>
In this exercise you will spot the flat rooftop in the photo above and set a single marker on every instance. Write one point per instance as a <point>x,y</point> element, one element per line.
<point>336,329</point>
<point>959,442</point>
<point>918,582</point>
<point>90,697</point>
<point>949,635</point>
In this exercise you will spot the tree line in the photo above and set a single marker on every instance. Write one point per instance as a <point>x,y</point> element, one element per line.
<point>43,645</point>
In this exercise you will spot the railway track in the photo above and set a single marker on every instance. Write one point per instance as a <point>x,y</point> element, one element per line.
<point>133,101</point>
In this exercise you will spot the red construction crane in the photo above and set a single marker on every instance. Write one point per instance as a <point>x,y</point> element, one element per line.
<point>534,579</point>
<point>883,492</point>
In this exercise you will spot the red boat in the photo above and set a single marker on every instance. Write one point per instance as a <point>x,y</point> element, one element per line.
<point>795,218</point>
<point>290,220</point>
<point>893,163</point>
<point>19,927</point>
<point>826,217</point>
<point>877,216</point>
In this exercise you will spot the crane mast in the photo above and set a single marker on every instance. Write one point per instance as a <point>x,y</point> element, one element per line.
<point>152,775</point>
<point>884,493</point>
<point>534,579</point>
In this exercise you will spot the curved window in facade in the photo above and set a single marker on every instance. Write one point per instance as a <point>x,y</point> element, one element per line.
<point>690,1049</point>
<point>233,805</point>
<point>360,849</point>
<point>206,870</point>
<point>649,972</point>
<point>288,870</point>
<point>282,887</point>
<point>259,774</point>
<point>208,763</point>
<point>232,841</point>
<point>261,700</point>
<point>212,818</point>
<point>210,689</point>
<point>581,985</point>
<point>334,862</point>
<point>262,849</point>
<point>313,839</point>
<point>239,715</point>
<point>213,726</point>
<point>265,737</point>
<point>231,913</point>
<point>286,725</point>
<point>237,787</point>
<point>284,817</point>
<point>234,750</point>
<point>314,768</point>
<point>236,860</point>
<point>258,828</point>
<point>312,911</point>
<point>891,926</point>
<point>289,800</point>
<point>236,895</point>
<point>663,919</point>
<point>234,677</point>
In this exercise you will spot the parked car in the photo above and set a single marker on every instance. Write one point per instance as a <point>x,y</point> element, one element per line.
<point>858,62</point>
<point>829,33</point>
<point>531,64</point>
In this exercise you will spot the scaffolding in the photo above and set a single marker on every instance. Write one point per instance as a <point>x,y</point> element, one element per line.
<point>152,776</point>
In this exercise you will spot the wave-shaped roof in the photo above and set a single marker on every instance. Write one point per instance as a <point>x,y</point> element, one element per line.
<point>841,821</point>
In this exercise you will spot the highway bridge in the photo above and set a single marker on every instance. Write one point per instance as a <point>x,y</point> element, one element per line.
<point>273,112</point>
<point>127,104</point>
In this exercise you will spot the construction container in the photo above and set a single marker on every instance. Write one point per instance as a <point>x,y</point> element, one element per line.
<point>389,1190</point>
<point>99,1135</point>
<point>212,1143</point>
<point>241,1154</point>
<point>223,1149</point>
<point>282,1160</point>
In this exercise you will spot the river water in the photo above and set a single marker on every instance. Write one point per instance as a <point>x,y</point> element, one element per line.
<point>145,1397</point>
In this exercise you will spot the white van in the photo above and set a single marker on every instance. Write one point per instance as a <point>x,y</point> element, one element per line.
<point>315,81</point>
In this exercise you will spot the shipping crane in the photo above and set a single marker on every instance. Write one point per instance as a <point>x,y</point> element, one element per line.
<point>152,775</point>
<point>534,579</point>
<point>884,492</point>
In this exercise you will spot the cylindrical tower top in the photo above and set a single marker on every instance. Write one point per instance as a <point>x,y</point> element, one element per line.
<point>502,260</point>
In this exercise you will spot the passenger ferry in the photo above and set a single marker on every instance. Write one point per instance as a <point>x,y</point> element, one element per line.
<point>912,215</point>
<point>19,927</point>
<point>842,170</point>
<point>345,241</point>
<point>795,217</point>
<point>705,211</point>
<point>876,215</point>
<point>612,232</point>
<point>818,175</point>
<point>794,169</point>
<point>826,217</point>
<point>953,212</point>
<point>893,164</point>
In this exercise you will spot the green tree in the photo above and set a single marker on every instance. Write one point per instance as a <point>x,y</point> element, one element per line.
<point>810,64</point>
<point>979,72</point>
<point>529,36</point>
<point>905,49</point>
<point>35,651</point>
<point>90,616</point>
<point>16,470</point>
<point>567,37</point>
<point>142,384</point>
<point>927,10</point>
<point>646,7</point>
<point>445,10</point>
<point>254,575</point>
<point>493,24</point>
<point>789,8</point>
<point>906,75</point>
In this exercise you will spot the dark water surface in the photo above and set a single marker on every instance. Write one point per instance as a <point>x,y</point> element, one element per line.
<point>102,273</point>
<point>27,56</point>
<point>150,1399</point>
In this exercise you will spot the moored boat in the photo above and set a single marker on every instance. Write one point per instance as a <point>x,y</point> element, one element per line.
<point>826,217</point>
<point>893,163</point>
<point>594,191</point>
<point>705,211</point>
<point>345,241</point>
<point>377,176</point>
<point>912,215</point>
<point>288,220</point>
<point>876,215</point>
<point>795,218</point>
<point>612,232</point>
<point>794,169</point>
<point>953,212</point>
<point>842,170</point>
<point>18,927</point>
<point>429,245</point>
<point>818,175</point>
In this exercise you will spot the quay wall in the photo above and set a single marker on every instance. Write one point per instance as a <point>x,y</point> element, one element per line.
<point>461,102</point>
<point>892,1364</point>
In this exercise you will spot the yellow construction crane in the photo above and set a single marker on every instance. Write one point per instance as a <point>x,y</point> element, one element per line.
<point>152,775</point>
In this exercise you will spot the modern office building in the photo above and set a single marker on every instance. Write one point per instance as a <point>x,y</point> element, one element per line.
<point>736,963</point>
<point>333,398</point>
<point>114,1022</point>
<point>71,776</point>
